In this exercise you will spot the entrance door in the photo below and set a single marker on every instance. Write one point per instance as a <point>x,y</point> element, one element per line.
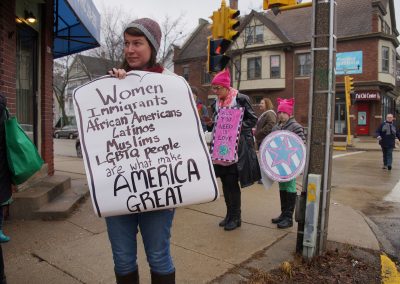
<point>363,119</point>
<point>340,118</point>
<point>27,86</point>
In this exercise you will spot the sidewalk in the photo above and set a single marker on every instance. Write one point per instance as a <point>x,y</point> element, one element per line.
<point>77,250</point>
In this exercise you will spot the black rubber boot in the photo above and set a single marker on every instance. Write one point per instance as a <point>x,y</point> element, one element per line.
<point>157,278</point>
<point>131,278</point>
<point>287,221</point>
<point>282,194</point>
<point>235,220</point>
<point>228,207</point>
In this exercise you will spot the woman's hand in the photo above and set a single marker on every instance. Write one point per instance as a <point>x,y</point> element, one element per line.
<point>117,73</point>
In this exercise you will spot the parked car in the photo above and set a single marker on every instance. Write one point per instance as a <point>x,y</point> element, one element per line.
<point>68,131</point>
<point>78,148</point>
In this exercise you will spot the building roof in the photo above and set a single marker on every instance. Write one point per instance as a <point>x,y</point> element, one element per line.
<point>354,18</point>
<point>96,65</point>
<point>196,45</point>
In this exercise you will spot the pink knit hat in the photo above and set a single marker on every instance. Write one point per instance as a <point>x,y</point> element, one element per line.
<point>223,79</point>
<point>285,105</point>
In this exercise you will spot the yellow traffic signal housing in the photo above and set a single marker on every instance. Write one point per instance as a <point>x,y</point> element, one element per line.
<point>349,84</point>
<point>230,22</point>
<point>349,88</point>
<point>217,26</point>
<point>269,4</point>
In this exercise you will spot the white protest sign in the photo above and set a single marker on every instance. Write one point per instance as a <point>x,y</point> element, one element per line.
<point>142,144</point>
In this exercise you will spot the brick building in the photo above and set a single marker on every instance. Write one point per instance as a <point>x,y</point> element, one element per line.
<point>32,34</point>
<point>272,58</point>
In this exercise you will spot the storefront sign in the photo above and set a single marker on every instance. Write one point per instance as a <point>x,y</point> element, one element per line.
<point>226,136</point>
<point>143,144</point>
<point>367,96</point>
<point>349,63</point>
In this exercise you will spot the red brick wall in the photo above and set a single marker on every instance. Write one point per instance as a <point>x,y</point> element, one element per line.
<point>196,68</point>
<point>7,52</point>
<point>46,60</point>
<point>369,48</point>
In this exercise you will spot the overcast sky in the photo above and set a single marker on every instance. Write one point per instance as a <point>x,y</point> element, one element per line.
<point>191,9</point>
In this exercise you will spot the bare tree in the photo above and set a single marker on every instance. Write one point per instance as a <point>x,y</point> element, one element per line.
<point>172,34</point>
<point>113,22</point>
<point>61,77</point>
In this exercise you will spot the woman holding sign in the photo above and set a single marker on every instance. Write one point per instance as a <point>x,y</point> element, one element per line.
<point>141,43</point>
<point>246,168</point>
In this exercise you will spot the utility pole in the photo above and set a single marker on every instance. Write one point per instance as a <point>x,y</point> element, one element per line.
<point>320,123</point>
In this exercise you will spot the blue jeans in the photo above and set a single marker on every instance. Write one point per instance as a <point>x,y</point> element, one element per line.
<point>387,156</point>
<point>155,227</point>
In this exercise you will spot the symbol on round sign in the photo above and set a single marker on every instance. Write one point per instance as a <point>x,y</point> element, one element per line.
<point>282,155</point>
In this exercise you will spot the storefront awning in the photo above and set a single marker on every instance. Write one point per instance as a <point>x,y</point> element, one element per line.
<point>76,27</point>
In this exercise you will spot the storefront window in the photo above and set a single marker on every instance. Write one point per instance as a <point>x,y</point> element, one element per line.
<point>26,81</point>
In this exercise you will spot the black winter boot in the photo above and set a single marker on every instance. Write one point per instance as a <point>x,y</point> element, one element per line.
<point>131,278</point>
<point>157,278</point>
<point>235,220</point>
<point>282,194</point>
<point>287,221</point>
<point>228,207</point>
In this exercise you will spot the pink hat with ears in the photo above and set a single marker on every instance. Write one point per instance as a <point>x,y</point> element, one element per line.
<point>286,105</point>
<point>223,79</point>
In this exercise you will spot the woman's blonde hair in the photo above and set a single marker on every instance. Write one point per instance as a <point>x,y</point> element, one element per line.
<point>268,103</point>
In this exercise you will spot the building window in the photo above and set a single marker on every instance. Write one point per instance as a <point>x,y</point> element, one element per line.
<point>275,66</point>
<point>237,69</point>
<point>186,73</point>
<point>254,68</point>
<point>394,63</point>
<point>254,34</point>
<point>385,59</point>
<point>385,27</point>
<point>303,64</point>
<point>205,78</point>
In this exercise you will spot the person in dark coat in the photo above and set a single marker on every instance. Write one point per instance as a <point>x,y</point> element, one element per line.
<point>5,175</point>
<point>287,190</point>
<point>387,135</point>
<point>246,170</point>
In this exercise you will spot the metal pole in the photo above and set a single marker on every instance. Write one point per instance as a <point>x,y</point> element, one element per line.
<point>322,99</point>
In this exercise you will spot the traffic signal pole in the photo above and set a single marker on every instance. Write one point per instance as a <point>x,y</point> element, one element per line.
<point>320,120</point>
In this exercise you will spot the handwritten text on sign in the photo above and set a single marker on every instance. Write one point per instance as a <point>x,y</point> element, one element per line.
<point>136,159</point>
<point>226,134</point>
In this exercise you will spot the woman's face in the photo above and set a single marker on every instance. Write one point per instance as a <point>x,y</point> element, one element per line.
<point>220,91</point>
<point>283,116</point>
<point>263,106</point>
<point>137,51</point>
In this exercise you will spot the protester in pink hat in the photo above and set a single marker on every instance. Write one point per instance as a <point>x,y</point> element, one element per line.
<point>287,190</point>
<point>246,170</point>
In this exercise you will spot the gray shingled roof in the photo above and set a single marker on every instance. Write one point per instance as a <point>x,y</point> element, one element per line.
<point>96,65</point>
<point>354,17</point>
<point>196,46</point>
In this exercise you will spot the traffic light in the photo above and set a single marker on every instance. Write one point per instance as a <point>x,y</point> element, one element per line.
<point>217,60</point>
<point>349,84</point>
<point>348,87</point>
<point>229,16</point>
<point>217,27</point>
<point>269,4</point>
